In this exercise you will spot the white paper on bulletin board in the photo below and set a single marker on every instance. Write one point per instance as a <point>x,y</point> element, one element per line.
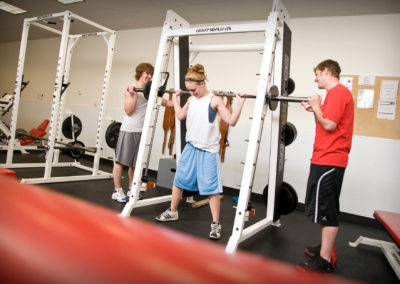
<point>347,82</point>
<point>366,80</point>
<point>388,99</point>
<point>365,98</point>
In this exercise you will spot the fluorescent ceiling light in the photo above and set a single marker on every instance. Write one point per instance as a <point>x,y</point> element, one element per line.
<point>69,1</point>
<point>10,8</point>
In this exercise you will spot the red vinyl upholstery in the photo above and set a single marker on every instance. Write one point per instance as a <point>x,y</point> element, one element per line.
<point>40,131</point>
<point>48,237</point>
<point>7,172</point>
<point>391,222</point>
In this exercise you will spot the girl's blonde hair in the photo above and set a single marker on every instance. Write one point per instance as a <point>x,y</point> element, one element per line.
<point>196,74</point>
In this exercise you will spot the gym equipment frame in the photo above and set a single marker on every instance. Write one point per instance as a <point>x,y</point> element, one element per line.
<point>274,71</point>
<point>67,44</point>
<point>6,104</point>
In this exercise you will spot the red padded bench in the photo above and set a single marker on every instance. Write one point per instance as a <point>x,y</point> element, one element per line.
<point>48,237</point>
<point>7,172</point>
<point>391,222</point>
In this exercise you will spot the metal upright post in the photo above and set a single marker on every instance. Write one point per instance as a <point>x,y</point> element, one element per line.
<point>271,70</point>
<point>278,122</point>
<point>17,91</point>
<point>164,51</point>
<point>177,83</point>
<point>56,95</point>
<point>71,44</point>
<point>100,124</point>
<point>253,145</point>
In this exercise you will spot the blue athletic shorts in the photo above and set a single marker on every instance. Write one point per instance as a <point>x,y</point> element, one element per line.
<point>199,170</point>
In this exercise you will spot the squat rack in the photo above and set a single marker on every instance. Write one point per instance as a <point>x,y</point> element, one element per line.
<point>275,69</point>
<point>67,44</point>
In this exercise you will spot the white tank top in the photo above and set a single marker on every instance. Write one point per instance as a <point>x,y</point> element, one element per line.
<point>134,122</point>
<point>200,132</point>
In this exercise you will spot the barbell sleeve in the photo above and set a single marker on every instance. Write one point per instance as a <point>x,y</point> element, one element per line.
<point>279,98</point>
<point>174,91</point>
<point>290,99</point>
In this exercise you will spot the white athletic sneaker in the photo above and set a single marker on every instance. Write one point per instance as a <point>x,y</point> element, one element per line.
<point>168,215</point>
<point>215,232</point>
<point>119,195</point>
<point>128,194</point>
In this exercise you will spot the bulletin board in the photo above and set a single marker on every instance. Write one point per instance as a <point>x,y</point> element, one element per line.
<point>366,121</point>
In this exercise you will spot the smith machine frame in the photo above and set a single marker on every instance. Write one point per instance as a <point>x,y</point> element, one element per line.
<point>274,72</point>
<point>67,44</point>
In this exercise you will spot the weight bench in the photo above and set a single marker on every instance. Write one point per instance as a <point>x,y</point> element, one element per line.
<point>40,131</point>
<point>391,223</point>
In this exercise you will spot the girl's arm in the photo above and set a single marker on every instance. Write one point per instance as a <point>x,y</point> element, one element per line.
<point>180,112</point>
<point>224,113</point>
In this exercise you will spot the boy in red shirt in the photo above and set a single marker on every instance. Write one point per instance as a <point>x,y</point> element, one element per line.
<point>333,136</point>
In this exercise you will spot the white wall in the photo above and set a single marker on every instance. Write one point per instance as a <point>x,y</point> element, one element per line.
<point>361,44</point>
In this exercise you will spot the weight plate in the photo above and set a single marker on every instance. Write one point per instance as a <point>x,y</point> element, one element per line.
<point>76,153</point>
<point>287,199</point>
<point>112,134</point>
<point>290,133</point>
<point>146,90</point>
<point>273,93</point>
<point>72,127</point>
<point>291,86</point>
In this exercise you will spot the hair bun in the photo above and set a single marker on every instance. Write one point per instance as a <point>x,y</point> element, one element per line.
<point>197,73</point>
<point>198,68</point>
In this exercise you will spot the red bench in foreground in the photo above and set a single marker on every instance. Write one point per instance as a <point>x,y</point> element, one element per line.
<point>391,222</point>
<point>48,237</point>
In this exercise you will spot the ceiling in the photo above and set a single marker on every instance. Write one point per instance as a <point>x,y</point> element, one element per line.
<point>134,14</point>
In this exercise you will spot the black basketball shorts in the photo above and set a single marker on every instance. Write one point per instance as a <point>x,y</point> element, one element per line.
<point>322,196</point>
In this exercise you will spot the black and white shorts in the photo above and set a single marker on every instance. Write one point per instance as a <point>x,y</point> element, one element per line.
<point>323,191</point>
<point>127,148</point>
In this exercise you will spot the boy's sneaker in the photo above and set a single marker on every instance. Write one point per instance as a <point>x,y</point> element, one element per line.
<point>119,195</point>
<point>140,197</point>
<point>215,232</point>
<point>314,251</point>
<point>168,215</point>
<point>316,264</point>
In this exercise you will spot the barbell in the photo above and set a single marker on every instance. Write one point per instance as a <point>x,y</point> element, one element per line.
<point>75,148</point>
<point>272,96</point>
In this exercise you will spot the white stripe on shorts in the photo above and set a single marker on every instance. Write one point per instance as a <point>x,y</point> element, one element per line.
<point>317,194</point>
<point>219,172</point>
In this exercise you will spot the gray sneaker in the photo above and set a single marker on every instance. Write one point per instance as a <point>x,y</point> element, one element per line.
<point>215,232</point>
<point>168,215</point>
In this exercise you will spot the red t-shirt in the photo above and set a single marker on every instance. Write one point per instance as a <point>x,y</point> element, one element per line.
<point>333,148</point>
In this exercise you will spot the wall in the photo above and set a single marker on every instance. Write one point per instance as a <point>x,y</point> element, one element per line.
<point>361,44</point>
